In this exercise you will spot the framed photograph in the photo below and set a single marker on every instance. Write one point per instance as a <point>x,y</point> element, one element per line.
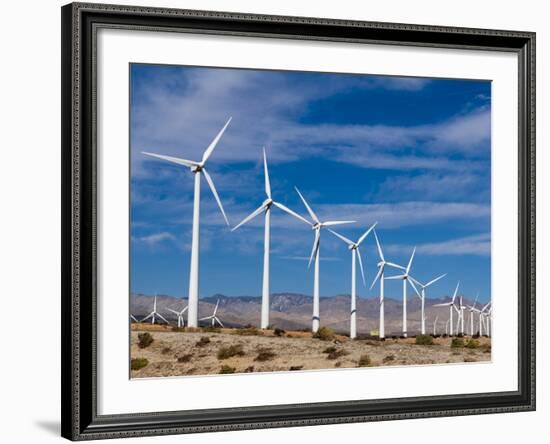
<point>282,221</point>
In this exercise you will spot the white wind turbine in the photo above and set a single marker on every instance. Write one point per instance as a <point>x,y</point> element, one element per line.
<point>197,168</point>
<point>406,278</point>
<point>154,313</point>
<point>355,255</point>
<point>423,297</point>
<point>447,327</point>
<point>451,305</point>
<point>316,226</point>
<point>435,326</point>
<point>265,207</point>
<point>179,314</point>
<point>380,276</point>
<point>472,308</point>
<point>133,318</point>
<point>213,316</point>
<point>460,322</point>
<point>489,318</point>
<point>482,318</point>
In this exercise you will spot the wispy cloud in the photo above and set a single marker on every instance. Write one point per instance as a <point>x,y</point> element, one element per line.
<point>156,238</point>
<point>477,245</point>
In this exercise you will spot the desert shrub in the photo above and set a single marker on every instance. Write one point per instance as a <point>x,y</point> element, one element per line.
<point>472,343</point>
<point>138,363</point>
<point>330,349</point>
<point>203,341</point>
<point>364,361</point>
<point>178,329</point>
<point>457,343</point>
<point>265,355</point>
<point>145,340</point>
<point>424,340</point>
<point>166,350</point>
<point>337,354</point>
<point>211,329</point>
<point>249,369</point>
<point>325,334</point>
<point>337,364</point>
<point>279,332</point>
<point>227,369</point>
<point>248,330</point>
<point>388,358</point>
<point>296,367</point>
<point>185,358</point>
<point>229,352</point>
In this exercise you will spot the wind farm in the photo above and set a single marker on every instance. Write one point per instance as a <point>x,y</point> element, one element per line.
<point>259,279</point>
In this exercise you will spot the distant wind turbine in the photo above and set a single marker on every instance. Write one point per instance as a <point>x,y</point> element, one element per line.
<point>154,313</point>
<point>460,322</point>
<point>423,297</point>
<point>197,168</point>
<point>435,326</point>
<point>406,277</point>
<point>213,316</point>
<point>451,305</point>
<point>472,308</point>
<point>355,255</point>
<point>380,276</point>
<point>133,318</point>
<point>265,207</point>
<point>316,226</point>
<point>179,314</point>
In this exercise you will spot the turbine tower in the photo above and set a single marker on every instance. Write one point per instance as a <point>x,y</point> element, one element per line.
<point>197,168</point>
<point>316,226</point>
<point>460,323</point>
<point>213,316</point>
<point>265,207</point>
<point>406,277</point>
<point>423,297</point>
<point>179,314</point>
<point>472,308</point>
<point>380,276</point>
<point>451,305</point>
<point>435,326</point>
<point>355,255</point>
<point>154,313</point>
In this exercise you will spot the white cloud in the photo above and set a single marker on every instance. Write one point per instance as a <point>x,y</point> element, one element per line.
<point>156,238</point>
<point>477,245</point>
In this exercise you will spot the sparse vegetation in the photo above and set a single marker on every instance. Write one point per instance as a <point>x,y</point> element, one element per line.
<point>227,369</point>
<point>249,330</point>
<point>424,340</point>
<point>330,349</point>
<point>364,361</point>
<point>472,343</point>
<point>388,358</point>
<point>203,341</point>
<point>249,369</point>
<point>229,352</point>
<point>211,329</point>
<point>325,334</point>
<point>296,367</point>
<point>337,354</point>
<point>279,332</point>
<point>145,339</point>
<point>139,363</point>
<point>457,343</point>
<point>178,329</point>
<point>166,350</point>
<point>185,358</point>
<point>469,359</point>
<point>265,355</point>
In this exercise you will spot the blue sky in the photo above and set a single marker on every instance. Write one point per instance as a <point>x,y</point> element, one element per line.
<point>412,154</point>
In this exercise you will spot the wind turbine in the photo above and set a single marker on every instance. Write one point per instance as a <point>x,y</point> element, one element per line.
<point>213,316</point>
<point>435,325</point>
<point>405,277</point>
<point>481,319</point>
<point>460,322</point>
<point>355,255</point>
<point>472,308</point>
<point>197,168</point>
<point>423,297</point>
<point>265,207</point>
<point>380,276</point>
<point>316,226</point>
<point>447,327</point>
<point>154,313</point>
<point>133,318</point>
<point>451,305</point>
<point>179,314</point>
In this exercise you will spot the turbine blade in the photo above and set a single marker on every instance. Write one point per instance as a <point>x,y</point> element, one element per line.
<point>309,210</point>
<point>185,309</point>
<point>250,216</point>
<point>380,269</point>
<point>147,317</point>
<point>206,318</point>
<point>215,193</point>
<point>185,162</point>
<point>216,307</point>
<point>345,239</point>
<point>391,264</point>
<point>266,176</point>
<point>162,317</point>
<point>174,311</point>
<point>378,246</point>
<point>445,304</point>
<point>366,233</point>
<point>411,260</point>
<point>315,246</point>
<point>219,322</point>
<point>361,266</point>
<point>455,293</point>
<point>292,213</point>
<point>337,222</point>
<point>213,144</point>
<point>401,276</point>
<point>414,288</point>
<point>433,281</point>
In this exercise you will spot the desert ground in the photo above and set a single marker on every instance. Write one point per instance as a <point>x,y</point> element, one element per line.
<point>202,351</point>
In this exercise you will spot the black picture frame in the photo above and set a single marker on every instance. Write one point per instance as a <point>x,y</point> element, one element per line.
<point>80,420</point>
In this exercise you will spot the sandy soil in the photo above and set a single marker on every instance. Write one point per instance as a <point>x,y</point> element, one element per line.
<point>177,353</point>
